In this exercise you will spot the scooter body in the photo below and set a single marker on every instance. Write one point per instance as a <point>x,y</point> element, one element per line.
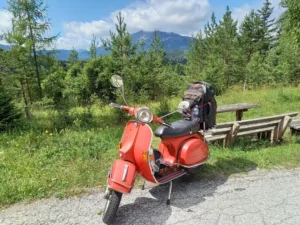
<point>181,149</point>
<point>137,156</point>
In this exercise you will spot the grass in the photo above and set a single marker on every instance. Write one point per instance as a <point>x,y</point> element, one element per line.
<point>246,155</point>
<point>38,159</point>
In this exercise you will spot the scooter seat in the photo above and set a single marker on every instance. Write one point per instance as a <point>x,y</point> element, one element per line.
<point>181,128</point>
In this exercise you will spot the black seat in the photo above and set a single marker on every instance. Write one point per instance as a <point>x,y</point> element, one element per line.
<point>182,127</point>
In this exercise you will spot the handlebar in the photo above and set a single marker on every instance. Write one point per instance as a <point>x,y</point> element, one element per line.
<point>132,111</point>
<point>116,105</point>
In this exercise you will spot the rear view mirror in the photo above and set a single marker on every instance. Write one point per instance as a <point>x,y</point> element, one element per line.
<point>116,81</point>
<point>183,105</point>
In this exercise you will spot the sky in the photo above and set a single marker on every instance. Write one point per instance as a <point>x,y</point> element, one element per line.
<point>76,21</point>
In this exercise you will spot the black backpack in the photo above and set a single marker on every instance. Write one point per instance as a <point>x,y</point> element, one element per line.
<point>203,106</point>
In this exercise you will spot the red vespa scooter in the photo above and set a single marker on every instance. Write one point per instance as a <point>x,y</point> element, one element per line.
<point>182,149</point>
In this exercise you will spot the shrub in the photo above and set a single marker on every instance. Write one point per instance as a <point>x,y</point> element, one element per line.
<point>8,113</point>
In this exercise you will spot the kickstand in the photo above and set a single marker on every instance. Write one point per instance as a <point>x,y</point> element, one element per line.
<point>169,195</point>
<point>143,185</point>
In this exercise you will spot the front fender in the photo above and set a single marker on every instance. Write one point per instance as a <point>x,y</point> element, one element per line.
<point>122,175</point>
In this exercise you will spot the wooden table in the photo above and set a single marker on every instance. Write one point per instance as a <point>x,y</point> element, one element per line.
<point>238,108</point>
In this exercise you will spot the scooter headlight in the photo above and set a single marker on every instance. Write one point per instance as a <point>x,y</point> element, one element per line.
<point>144,115</point>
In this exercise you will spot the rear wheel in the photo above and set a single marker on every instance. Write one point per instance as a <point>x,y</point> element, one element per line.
<point>111,207</point>
<point>191,172</point>
<point>194,170</point>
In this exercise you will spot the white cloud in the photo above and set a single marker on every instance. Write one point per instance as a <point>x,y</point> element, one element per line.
<point>240,13</point>
<point>87,29</point>
<point>179,16</point>
<point>5,23</point>
<point>76,42</point>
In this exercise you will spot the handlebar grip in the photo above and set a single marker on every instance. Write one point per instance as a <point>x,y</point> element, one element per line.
<point>116,105</point>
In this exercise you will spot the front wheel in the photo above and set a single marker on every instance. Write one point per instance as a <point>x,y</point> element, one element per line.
<point>111,207</point>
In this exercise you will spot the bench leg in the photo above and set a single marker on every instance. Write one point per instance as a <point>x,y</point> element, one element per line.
<point>239,115</point>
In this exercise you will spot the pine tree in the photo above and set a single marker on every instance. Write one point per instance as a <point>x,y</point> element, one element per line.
<point>228,48</point>
<point>156,57</point>
<point>8,113</point>
<point>258,72</point>
<point>121,49</point>
<point>201,50</point>
<point>249,34</point>
<point>20,63</point>
<point>292,18</point>
<point>267,28</point>
<point>195,57</point>
<point>93,48</point>
<point>30,21</point>
<point>73,57</point>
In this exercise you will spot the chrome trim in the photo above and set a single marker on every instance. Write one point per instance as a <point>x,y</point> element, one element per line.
<point>199,164</point>
<point>125,172</point>
<point>148,153</point>
<point>173,179</point>
<point>122,184</point>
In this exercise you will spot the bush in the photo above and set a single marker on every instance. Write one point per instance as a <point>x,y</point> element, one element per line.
<point>8,112</point>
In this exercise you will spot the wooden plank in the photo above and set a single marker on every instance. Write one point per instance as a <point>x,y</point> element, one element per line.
<point>235,107</point>
<point>245,133</point>
<point>223,125</point>
<point>267,119</point>
<point>215,138</point>
<point>295,124</point>
<point>259,125</point>
<point>220,131</point>
<point>258,120</point>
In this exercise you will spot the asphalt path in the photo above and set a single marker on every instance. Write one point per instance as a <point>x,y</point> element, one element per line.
<point>258,198</point>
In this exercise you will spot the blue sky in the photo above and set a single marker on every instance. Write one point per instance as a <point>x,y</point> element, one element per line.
<point>78,20</point>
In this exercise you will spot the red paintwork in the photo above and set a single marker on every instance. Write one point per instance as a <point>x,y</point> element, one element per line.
<point>116,175</point>
<point>136,141</point>
<point>193,151</point>
<point>143,144</point>
<point>127,141</point>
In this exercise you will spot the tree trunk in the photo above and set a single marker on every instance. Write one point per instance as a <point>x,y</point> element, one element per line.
<point>37,71</point>
<point>245,83</point>
<point>35,56</point>
<point>27,114</point>
<point>27,85</point>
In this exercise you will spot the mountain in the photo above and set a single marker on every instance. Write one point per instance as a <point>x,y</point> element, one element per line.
<point>171,41</point>
<point>173,44</point>
<point>5,47</point>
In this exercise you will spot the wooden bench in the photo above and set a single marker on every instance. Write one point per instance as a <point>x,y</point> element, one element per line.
<point>238,108</point>
<point>295,127</point>
<point>272,128</point>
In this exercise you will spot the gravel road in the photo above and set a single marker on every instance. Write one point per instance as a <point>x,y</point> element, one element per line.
<point>261,197</point>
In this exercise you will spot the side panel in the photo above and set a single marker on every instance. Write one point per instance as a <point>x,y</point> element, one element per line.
<point>194,151</point>
<point>128,139</point>
<point>141,151</point>
<point>174,145</point>
<point>122,176</point>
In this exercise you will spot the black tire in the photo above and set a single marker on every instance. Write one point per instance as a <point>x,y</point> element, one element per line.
<point>194,170</point>
<point>111,207</point>
<point>191,172</point>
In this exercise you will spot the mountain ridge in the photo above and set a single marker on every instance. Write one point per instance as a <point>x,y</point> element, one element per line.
<point>172,42</point>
